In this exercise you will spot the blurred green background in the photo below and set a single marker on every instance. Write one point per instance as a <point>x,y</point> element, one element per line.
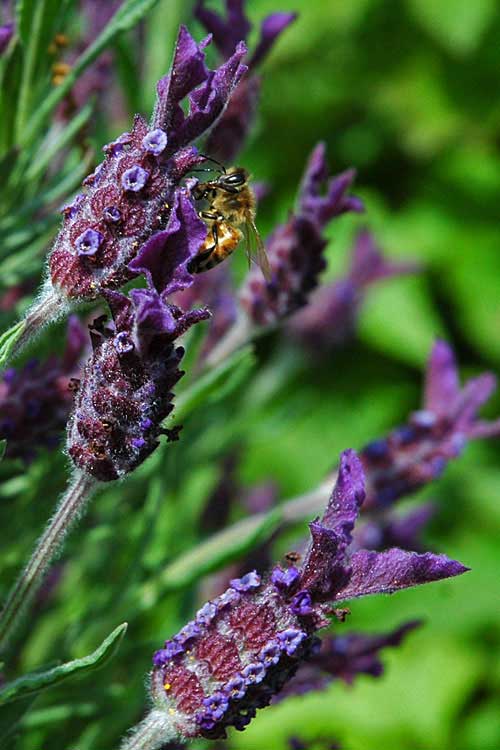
<point>408,93</point>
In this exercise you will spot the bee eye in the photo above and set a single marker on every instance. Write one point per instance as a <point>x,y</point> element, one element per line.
<point>234,180</point>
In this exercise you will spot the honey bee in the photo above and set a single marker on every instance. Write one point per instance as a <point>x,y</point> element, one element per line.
<point>230,205</point>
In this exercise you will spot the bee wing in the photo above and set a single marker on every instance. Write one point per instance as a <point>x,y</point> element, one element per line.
<point>255,248</point>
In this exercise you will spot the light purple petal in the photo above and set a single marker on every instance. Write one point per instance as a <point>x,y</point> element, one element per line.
<point>188,70</point>
<point>271,28</point>
<point>208,101</point>
<point>321,207</point>
<point>165,257</point>
<point>441,385</point>
<point>395,569</point>
<point>323,569</point>
<point>226,32</point>
<point>368,263</point>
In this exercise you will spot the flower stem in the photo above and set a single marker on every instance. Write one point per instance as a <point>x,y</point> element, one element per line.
<point>237,336</point>
<point>46,309</point>
<point>152,733</point>
<point>69,510</point>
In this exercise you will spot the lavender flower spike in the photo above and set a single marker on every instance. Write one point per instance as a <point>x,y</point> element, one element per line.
<point>228,135</point>
<point>35,401</point>
<point>330,317</point>
<point>295,249</point>
<point>261,630</point>
<point>126,387</point>
<point>128,200</point>
<point>418,452</point>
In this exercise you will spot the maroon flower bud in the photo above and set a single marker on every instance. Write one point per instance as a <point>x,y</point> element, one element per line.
<point>125,392</point>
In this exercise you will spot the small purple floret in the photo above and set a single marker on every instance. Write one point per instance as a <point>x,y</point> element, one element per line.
<point>88,242</point>
<point>206,614</point>
<point>302,604</point>
<point>285,579</point>
<point>249,581</point>
<point>112,214</point>
<point>235,688</point>
<point>123,343</point>
<point>134,179</point>
<point>291,639</point>
<point>155,141</point>
<point>270,654</point>
<point>217,705</point>
<point>254,673</point>
<point>188,632</point>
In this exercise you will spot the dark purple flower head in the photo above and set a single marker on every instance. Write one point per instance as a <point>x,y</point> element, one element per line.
<point>227,137</point>
<point>296,248</point>
<point>133,200</point>
<point>35,401</point>
<point>125,392</point>
<point>331,314</point>
<point>418,452</point>
<point>345,657</point>
<point>6,33</point>
<point>261,630</point>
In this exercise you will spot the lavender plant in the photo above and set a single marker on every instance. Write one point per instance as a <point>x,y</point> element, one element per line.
<point>167,518</point>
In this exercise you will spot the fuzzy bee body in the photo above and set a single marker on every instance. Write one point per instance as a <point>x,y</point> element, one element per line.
<point>230,205</point>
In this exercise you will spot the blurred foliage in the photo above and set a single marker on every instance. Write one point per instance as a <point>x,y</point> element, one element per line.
<point>407,93</point>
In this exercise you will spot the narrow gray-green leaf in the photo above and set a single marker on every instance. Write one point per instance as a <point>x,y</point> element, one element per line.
<point>8,341</point>
<point>3,446</point>
<point>64,139</point>
<point>33,683</point>
<point>215,553</point>
<point>129,13</point>
<point>215,384</point>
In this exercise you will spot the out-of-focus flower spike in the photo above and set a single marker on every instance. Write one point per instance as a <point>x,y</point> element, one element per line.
<point>271,28</point>
<point>345,657</point>
<point>318,206</point>
<point>390,530</point>
<point>417,453</point>
<point>295,249</point>
<point>35,401</point>
<point>329,319</point>
<point>6,34</point>
<point>228,135</point>
<point>226,32</point>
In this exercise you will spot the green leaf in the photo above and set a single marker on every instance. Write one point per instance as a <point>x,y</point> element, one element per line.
<point>129,13</point>
<point>8,341</point>
<point>457,24</point>
<point>64,139</point>
<point>217,552</point>
<point>10,716</point>
<point>216,384</point>
<point>33,683</point>
<point>3,446</point>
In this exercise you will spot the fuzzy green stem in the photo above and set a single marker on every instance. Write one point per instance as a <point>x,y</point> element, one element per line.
<point>46,309</point>
<point>69,510</point>
<point>241,332</point>
<point>152,733</point>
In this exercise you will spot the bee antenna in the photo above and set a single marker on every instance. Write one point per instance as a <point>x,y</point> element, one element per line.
<point>214,161</point>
